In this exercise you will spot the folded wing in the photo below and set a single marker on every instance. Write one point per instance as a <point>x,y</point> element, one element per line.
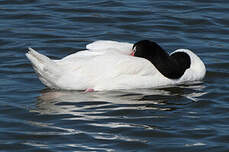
<point>106,45</point>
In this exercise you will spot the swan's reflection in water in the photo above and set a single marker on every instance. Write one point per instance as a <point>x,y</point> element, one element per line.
<point>115,116</point>
<point>79,103</point>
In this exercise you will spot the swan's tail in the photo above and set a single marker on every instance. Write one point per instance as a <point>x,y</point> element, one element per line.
<point>46,69</point>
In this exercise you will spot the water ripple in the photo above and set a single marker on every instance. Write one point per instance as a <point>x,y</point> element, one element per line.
<point>188,117</point>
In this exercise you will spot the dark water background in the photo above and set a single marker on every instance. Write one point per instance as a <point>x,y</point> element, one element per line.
<point>182,118</point>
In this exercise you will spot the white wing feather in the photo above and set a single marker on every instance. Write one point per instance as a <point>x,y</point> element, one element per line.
<point>106,45</point>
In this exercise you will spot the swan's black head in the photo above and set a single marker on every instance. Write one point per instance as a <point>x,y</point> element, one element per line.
<point>172,66</point>
<point>147,49</point>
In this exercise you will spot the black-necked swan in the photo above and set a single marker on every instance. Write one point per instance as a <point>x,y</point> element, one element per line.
<point>111,65</point>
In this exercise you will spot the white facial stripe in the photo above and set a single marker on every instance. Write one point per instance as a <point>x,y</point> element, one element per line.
<point>134,49</point>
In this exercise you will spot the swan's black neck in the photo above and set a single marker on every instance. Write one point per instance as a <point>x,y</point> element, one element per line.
<point>171,66</point>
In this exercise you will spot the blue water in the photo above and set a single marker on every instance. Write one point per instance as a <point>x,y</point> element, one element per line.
<point>182,118</point>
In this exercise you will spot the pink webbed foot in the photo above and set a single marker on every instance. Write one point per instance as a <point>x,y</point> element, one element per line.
<point>89,90</point>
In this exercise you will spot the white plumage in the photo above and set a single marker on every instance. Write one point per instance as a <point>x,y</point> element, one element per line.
<point>107,65</point>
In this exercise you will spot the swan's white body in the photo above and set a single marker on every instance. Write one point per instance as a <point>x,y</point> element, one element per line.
<point>107,65</point>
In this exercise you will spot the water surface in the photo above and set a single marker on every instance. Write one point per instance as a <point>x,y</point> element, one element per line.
<point>180,118</point>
